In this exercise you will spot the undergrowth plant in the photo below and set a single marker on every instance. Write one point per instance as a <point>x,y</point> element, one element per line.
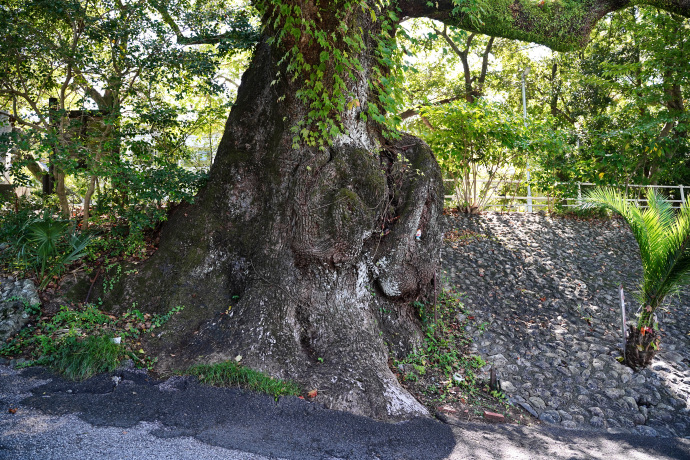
<point>444,354</point>
<point>229,374</point>
<point>78,342</point>
<point>47,247</point>
<point>663,238</point>
<point>80,359</point>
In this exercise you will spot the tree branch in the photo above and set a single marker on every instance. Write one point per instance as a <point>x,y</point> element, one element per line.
<point>561,26</point>
<point>409,113</point>
<point>236,36</point>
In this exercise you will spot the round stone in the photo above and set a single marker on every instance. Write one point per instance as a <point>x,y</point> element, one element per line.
<point>550,416</point>
<point>646,430</point>
<point>596,422</point>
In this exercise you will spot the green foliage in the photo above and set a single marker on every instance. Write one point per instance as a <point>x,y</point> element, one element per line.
<point>482,146</point>
<point>153,98</point>
<point>44,246</point>
<point>664,242</point>
<point>625,98</point>
<point>612,113</point>
<point>141,190</point>
<point>80,359</point>
<point>443,353</point>
<point>78,341</point>
<point>151,322</point>
<point>554,24</point>
<point>328,59</point>
<point>230,373</point>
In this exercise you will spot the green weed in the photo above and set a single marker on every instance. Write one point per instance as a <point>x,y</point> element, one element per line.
<point>80,359</point>
<point>443,354</point>
<point>229,374</point>
<point>77,342</point>
<point>48,246</point>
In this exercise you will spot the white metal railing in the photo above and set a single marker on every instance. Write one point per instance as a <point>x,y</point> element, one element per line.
<point>519,203</point>
<point>671,198</point>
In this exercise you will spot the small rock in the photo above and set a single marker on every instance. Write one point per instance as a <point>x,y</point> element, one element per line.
<point>508,387</point>
<point>537,403</point>
<point>497,360</point>
<point>616,430</point>
<point>644,411</point>
<point>639,380</point>
<point>596,411</point>
<point>583,399</point>
<point>550,416</point>
<point>614,393</point>
<point>14,297</point>
<point>529,409</point>
<point>555,402</point>
<point>673,357</point>
<point>630,402</point>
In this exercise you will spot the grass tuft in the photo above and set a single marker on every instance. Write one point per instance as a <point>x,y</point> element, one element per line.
<point>230,374</point>
<point>81,359</point>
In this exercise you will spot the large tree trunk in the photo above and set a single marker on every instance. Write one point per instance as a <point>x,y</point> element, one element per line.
<point>304,262</point>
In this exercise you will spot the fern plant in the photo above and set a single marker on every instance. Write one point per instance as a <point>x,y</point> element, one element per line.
<point>663,237</point>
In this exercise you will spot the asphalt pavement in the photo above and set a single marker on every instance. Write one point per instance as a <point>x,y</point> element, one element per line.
<point>128,415</point>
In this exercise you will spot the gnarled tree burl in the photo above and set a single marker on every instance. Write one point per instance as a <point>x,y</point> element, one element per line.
<point>304,260</point>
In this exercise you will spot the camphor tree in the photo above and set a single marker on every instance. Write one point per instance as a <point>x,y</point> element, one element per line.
<point>282,259</point>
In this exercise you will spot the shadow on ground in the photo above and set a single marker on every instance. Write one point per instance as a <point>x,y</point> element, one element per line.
<point>497,442</point>
<point>236,419</point>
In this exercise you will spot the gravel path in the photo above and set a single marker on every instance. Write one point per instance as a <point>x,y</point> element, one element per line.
<point>544,293</point>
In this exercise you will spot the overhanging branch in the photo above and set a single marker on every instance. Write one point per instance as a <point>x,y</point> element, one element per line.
<point>562,26</point>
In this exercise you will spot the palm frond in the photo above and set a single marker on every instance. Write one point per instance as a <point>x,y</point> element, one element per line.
<point>675,271</point>
<point>663,239</point>
<point>610,198</point>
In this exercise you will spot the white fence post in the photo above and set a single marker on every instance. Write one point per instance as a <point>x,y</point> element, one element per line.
<point>682,195</point>
<point>579,194</point>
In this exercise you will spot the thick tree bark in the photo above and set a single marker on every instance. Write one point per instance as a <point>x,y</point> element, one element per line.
<point>303,262</point>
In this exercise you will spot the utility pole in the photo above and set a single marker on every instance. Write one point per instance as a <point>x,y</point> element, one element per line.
<point>524,112</point>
